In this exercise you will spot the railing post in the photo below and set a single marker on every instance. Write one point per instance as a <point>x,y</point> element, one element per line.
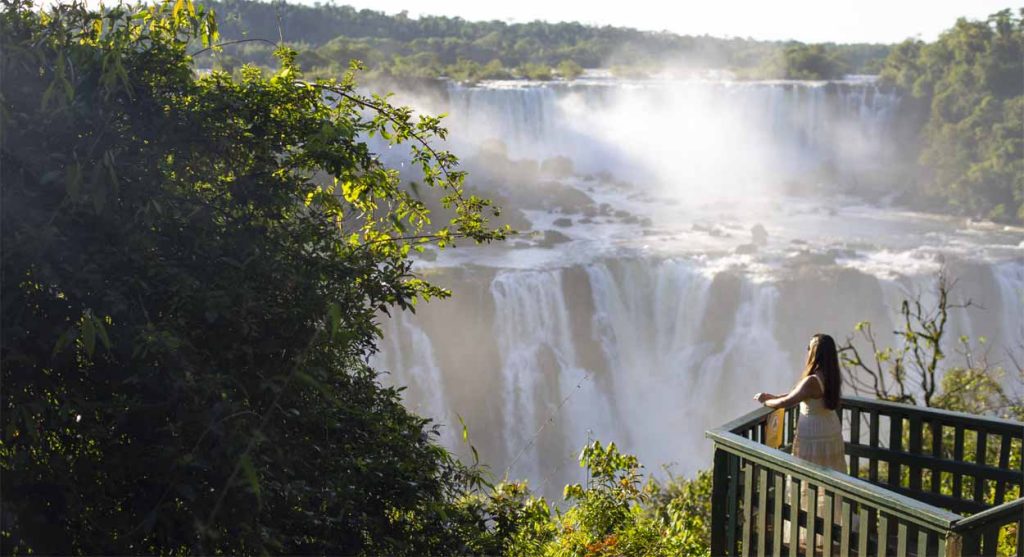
<point>719,502</point>
<point>954,545</point>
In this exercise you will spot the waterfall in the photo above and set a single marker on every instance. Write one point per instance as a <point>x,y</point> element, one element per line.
<point>736,132</point>
<point>407,355</point>
<point>647,334</point>
<point>649,353</point>
<point>538,359</point>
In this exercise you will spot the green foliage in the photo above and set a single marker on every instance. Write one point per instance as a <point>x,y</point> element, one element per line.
<point>969,81</point>
<point>611,516</point>
<point>470,72</point>
<point>685,505</point>
<point>569,69</point>
<point>193,268</point>
<point>801,61</point>
<point>537,72</point>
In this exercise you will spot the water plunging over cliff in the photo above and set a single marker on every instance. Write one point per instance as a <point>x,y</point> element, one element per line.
<point>657,313</point>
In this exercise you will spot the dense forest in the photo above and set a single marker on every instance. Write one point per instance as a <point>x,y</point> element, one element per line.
<point>965,92</point>
<point>328,36</point>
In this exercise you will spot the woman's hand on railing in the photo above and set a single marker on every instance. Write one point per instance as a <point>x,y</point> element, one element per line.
<point>761,397</point>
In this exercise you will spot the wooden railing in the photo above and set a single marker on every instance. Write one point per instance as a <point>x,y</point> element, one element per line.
<point>922,482</point>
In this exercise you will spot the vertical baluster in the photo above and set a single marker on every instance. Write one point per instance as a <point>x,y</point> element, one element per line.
<point>979,459</point>
<point>883,535</point>
<point>1020,537</point>
<point>989,540</point>
<point>915,449</point>
<point>863,529</point>
<point>855,440</point>
<point>873,443</point>
<point>748,506</point>
<point>958,456</point>
<point>895,446</point>
<point>901,539</point>
<point>794,517</point>
<point>937,453</point>
<point>845,531</point>
<point>1004,464</point>
<point>827,522</point>
<point>922,542</point>
<point>812,517</point>
<point>719,509</point>
<point>733,500</point>
<point>780,495</point>
<point>762,510</point>
<point>972,544</point>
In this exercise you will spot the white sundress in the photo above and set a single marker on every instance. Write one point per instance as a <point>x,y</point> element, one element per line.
<point>819,435</point>
<point>819,439</point>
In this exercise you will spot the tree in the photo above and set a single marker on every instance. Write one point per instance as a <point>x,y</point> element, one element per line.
<point>569,70</point>
<point>192,273</point>
<point>916,370</point>
<point>971,156</point>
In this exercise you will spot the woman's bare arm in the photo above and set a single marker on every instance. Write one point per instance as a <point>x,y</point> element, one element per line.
<point>806,388</point>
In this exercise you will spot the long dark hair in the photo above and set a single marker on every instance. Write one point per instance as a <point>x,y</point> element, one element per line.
<point>823,359</point>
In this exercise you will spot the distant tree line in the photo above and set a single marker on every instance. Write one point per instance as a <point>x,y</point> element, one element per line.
<point>328,36</point>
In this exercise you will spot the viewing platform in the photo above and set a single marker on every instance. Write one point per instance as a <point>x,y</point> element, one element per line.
<point>922,482</point>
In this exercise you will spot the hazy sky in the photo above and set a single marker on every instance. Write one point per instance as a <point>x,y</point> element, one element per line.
<point>804,20</point>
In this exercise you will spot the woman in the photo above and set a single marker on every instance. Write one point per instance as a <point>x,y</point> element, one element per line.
<point>819,433</point>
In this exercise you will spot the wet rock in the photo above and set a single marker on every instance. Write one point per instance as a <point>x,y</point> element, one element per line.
<point>809,258</point>
<point>564,222</point>
<point>745,249</point>
<point>646,222</point>
<point>558,167</point>
<point>631,219</point>
<point>759,235</point>
<point>550,238</point>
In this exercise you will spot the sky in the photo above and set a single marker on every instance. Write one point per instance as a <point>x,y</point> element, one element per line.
<point>878,21</point>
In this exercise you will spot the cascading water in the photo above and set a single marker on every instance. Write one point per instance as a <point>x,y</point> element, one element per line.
<point>701,132</point>
<point>659,313</point>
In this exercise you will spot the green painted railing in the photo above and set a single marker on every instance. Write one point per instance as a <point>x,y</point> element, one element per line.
<point>922,482</point>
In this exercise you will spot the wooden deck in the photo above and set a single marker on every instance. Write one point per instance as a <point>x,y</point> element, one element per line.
<point>922,482</point>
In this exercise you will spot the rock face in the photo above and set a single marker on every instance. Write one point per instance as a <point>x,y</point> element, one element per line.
<point>759,235</point>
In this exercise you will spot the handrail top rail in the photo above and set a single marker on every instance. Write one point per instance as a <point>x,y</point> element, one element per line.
<point>1009,508</point>
<point>877,495</point>
<point>947,415</point>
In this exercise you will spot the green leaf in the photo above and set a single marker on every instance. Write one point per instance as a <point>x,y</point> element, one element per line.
<point>88,334</point>
<point>250,475</point>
